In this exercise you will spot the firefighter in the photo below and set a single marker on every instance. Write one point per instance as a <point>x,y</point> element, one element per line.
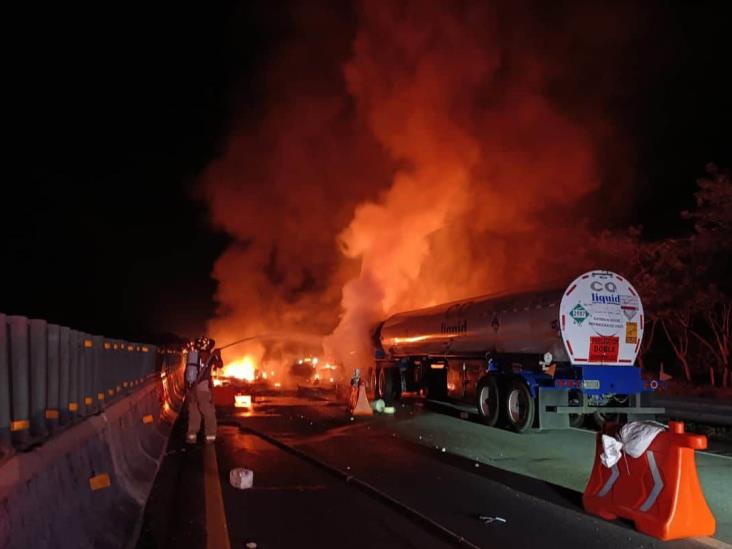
<point>200,392</point>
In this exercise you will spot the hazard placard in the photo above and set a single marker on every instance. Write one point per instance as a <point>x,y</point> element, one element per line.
<point>603,349</point>
<point>631,332</point>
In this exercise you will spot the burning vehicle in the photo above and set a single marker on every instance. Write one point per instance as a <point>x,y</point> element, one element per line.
<point>313,373</point>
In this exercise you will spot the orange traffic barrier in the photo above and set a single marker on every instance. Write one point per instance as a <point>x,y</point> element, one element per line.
<point>659,491</point>
<point>358,403</point>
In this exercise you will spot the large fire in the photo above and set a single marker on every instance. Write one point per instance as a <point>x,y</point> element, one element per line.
<point>438,150</point>
<point>242,368</point>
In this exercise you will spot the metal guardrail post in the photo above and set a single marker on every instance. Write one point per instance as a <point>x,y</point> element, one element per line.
<point>38,376</point>
<point>64,374</point>
<point>5,440</point>
<point>85,400</point>
<point>73,406</point>
<point>116,367</point>
<point>19,381</point>
<point>98,391</point>
<point>54,366</point>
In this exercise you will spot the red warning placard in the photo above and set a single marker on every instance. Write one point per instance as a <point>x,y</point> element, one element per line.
<point>604,349</point>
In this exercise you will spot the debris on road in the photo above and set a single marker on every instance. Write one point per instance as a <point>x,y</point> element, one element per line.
<point>241,478</point>
<point>485,519</point>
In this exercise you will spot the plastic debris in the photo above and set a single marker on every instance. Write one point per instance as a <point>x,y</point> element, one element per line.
<point>379,406</point>
<point>389,410</point>
<point>251,545</point>
<point>241,478</point>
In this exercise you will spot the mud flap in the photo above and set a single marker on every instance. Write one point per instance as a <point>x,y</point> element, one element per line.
<point>551,398</point>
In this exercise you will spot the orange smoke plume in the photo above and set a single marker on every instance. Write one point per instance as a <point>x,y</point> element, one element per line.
<point>422,157</point>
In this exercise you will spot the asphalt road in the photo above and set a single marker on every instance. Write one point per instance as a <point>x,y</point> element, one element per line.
<point>322,479</point>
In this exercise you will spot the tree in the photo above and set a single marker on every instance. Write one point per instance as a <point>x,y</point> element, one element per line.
<point>711,245</point>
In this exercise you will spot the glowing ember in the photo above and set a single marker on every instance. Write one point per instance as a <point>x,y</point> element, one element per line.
<point>242,401</point>
<point>240,369</point>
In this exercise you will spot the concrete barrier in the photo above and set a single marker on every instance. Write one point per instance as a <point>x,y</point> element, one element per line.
<point>87,486</point>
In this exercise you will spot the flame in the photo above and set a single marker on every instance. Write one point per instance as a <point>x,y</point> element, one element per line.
<point>242,368</point>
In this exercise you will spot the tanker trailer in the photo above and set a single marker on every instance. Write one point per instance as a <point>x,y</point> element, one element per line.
<point>537,359</point>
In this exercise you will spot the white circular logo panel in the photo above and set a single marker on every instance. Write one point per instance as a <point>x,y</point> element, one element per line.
<point>601,319</point>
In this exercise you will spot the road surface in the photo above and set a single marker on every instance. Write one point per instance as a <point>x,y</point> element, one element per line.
<point>421,478</point>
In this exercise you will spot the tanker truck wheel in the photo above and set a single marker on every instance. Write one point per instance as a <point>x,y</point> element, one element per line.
<point>387,386</point>
<point>489,401</point>
<point>519,406</point>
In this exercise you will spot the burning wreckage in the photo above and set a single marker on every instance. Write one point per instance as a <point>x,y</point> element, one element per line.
<point>541,359</point>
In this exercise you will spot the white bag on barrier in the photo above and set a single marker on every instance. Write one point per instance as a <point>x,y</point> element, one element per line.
<point>241,478</point>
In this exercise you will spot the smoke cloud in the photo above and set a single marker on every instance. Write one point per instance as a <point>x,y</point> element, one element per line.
<point>410,153</point>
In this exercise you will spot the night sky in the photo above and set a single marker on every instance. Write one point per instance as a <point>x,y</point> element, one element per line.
<point>114,115</point>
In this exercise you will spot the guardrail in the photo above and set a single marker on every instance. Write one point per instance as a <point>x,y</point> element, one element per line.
<point>695,409</point>
<point>52,376</point>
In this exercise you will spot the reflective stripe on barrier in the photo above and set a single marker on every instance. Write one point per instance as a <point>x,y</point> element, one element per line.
<point>20,425</point>
<point>52,414</point>
<point>73,406</point>
<point>98,482</point>
<point>610,481</point>
<point>657,483</point>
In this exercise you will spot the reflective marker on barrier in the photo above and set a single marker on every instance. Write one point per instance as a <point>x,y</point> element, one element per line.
<point>88,400</point>
<point>73,406</point>
<point>119,388</point>
<point>51,414</point>
<point>124,384</point>
<point>657,483</point>
<point>147,419</point>
<point>20,425</point>
<point>100,396</point>
<point>97,482</point>
<point>111,392</point>
<point>87,343</point>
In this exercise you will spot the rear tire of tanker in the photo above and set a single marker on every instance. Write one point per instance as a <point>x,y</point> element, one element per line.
<point>577,420</point>
<point>519,406</point>
<point>387,386</point>
<point>603,419</point>
<point>489,401</point>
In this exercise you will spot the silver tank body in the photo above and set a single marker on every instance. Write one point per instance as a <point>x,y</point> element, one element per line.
<point>524,323</point>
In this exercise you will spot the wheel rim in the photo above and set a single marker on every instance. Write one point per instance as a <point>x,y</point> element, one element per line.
<point>485,398</point>
<point>517,407</point>
<point>382,381</point>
